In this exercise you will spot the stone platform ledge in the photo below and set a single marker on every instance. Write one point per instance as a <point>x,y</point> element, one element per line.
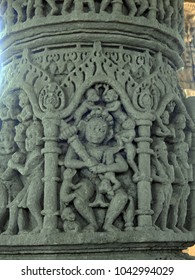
<point>148,251</point>
<point>135,244</point>
<point>131,237</point>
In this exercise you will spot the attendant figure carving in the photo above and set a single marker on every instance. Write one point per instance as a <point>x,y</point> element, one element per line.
<point>90,103</point>
<point>125,140</point>
<point>113,105</point>
<point>26,115</point>
<point>142,5</point>
<point>78,5</point>
<point>163,177</point>
<point>7,181</point>
<point>31,195</point>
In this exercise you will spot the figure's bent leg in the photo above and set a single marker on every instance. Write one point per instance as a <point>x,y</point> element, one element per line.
<point>142,8</point>
<point>34,199</point>
<point>129,215</point>
<point>22,221</point>
<point>54,8</point>
<point>66,6</point>
<point>3,205</point>
<point>117,204</point>
<point>104,5</point>
<point>164,214</point>
<point>86,212</point>
<point>13,221</point>
<point>132,7</point>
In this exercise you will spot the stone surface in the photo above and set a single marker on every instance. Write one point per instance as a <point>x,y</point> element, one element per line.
<point>187,75</point>
<point>97,137</point>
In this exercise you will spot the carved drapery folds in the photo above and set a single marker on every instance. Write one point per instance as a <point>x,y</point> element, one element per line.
<point>95,136</point>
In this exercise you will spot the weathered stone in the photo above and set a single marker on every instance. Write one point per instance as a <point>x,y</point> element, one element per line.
<point>96,135</point>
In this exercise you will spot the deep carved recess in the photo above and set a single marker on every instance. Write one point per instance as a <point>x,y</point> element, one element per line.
<point>95,137</point>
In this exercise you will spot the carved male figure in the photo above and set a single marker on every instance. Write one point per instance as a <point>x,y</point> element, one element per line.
<point>143,5</point>
<point>26,114</point>
<point>18,6</point>
<point>10,111</point>
<point>34,4</point>
<point>32,171</point>
<point>7,148</point>
<point>89,104</point>
<point>163,128</point>
<point>125,138</point>
<point>178,206</point>
<point>78,5</point>
<point>113,105</point>
<point>163,177</point>
<point>15,188</point>
<point>130,4</point>
<point>182,189</point>
<point>93,168</point>
<point>168,12</point>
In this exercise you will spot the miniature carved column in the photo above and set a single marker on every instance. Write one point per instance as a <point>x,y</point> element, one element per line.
<point>144,140</point>
<point>190,103</point>
<point>51,152</point>
<point>187,75</point>
<point>51,99</point>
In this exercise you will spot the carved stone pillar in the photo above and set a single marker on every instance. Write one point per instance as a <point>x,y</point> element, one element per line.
<point>51,152</point>
<point>187,75</point>
<point>95,136</point>
<point>190,103</point>
<point>144,210</point>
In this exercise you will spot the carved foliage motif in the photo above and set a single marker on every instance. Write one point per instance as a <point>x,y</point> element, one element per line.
<point>76,125</point>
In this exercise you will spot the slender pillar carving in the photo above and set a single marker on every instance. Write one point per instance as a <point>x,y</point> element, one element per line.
<point>144,151</point>
<point>190,103</point>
